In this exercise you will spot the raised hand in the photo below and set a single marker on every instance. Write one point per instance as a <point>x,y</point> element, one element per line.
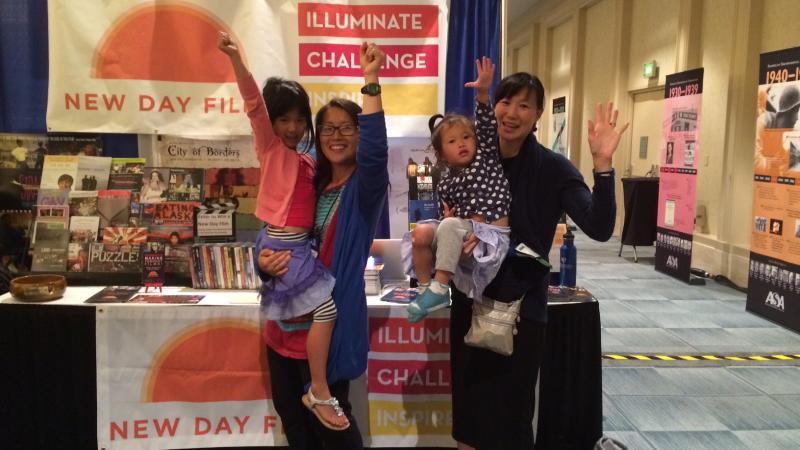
<point>604,136</point>
<point>371,58</point>
<point>485,69</point>
<point>226,45</point>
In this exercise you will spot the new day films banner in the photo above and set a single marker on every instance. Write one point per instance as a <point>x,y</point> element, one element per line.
<point>774,277</point>
<point>183,377</point>
<point>197,377</point>
<point>154,68</point>
<point>678,180</point>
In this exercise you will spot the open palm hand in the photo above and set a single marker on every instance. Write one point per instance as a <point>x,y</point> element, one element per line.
<point>485,69</point>
<point>604,136</point>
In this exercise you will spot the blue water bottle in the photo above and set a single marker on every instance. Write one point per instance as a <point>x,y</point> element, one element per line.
<point>569,259</point>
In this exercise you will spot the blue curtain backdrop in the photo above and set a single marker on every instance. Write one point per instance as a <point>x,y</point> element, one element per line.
<point>23,74</point>
<point>23,66</point>
<point>474,31</point>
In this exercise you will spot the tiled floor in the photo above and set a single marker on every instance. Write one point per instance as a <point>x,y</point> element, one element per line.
<point>687,405</point>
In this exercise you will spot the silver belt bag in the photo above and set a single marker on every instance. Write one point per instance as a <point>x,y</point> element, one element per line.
<point>494,325</point>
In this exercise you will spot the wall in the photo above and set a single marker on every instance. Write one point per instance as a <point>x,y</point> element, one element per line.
<point>652,37</point>
<point>781,22</point>
<point>559,77</point>
<point>608,41</point>
<point>522,58</point>
<point>717,45</point>
<point>648,114</point>
<point>598,74</point>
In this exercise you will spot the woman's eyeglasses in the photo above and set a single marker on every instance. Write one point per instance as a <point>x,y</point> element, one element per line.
<point>344,130</point>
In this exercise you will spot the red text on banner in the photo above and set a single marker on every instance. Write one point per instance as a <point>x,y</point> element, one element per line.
<point>408,377</point>
<point>342,60</point>
<point>397,335</point>
<point>372,21</point>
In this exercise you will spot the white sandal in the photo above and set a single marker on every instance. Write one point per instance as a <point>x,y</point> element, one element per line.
<point>311,403</point>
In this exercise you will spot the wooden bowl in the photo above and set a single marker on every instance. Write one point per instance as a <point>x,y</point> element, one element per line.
<point>38,288</point>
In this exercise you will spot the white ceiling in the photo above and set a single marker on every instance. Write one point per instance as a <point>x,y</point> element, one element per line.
<point>517,8</point>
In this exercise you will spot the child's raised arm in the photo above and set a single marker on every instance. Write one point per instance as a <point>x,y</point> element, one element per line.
<point>227,46</point>
<point>254,104</point>
<point>485,69</point>
<point>485,122</point>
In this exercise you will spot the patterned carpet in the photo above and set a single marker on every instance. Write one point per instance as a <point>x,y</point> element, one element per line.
<point>696,404</point>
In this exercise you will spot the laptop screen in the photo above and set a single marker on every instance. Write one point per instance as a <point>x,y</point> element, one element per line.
<point>388,252</point>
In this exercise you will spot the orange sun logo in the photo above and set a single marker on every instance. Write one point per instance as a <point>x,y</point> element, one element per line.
<point>217,360</point>
<point>164,42</point>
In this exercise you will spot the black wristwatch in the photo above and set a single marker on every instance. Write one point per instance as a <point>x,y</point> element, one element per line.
<point>605,174</point>
<point>371,89</point>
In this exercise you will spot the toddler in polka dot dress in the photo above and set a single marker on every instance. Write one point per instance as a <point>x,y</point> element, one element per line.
<point>476,200</point>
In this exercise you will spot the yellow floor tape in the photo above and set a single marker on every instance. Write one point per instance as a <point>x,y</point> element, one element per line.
<point>618,357</point>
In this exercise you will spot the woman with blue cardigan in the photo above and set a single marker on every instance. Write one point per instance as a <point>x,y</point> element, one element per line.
<point>352,182</point>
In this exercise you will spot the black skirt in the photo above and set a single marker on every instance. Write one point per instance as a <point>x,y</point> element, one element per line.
<point>493,395</point>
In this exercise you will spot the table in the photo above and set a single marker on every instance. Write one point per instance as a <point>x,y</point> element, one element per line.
<point>570,411</point>
<point>641,212</point>
<point>47,354</point>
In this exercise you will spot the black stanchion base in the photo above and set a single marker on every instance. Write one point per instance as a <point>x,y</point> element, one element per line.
<point>696,281</point>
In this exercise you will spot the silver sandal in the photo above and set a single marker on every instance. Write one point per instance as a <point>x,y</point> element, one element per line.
<point>311,403</point>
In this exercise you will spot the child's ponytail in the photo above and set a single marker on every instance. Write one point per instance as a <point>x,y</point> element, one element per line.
<point>432,125</point>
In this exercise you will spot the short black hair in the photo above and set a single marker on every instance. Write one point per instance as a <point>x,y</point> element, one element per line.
<point>520,82</point>
<point>282,96</point>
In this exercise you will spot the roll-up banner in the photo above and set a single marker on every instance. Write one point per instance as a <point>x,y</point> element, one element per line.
<point>677,188</point>
<point>774,276</point>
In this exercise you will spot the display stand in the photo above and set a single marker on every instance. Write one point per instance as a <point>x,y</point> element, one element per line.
<point>136,225</point>
<point>641,213</point>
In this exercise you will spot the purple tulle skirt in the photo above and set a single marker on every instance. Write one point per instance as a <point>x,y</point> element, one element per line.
<point>473,276</point>
<point>306,285</point>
